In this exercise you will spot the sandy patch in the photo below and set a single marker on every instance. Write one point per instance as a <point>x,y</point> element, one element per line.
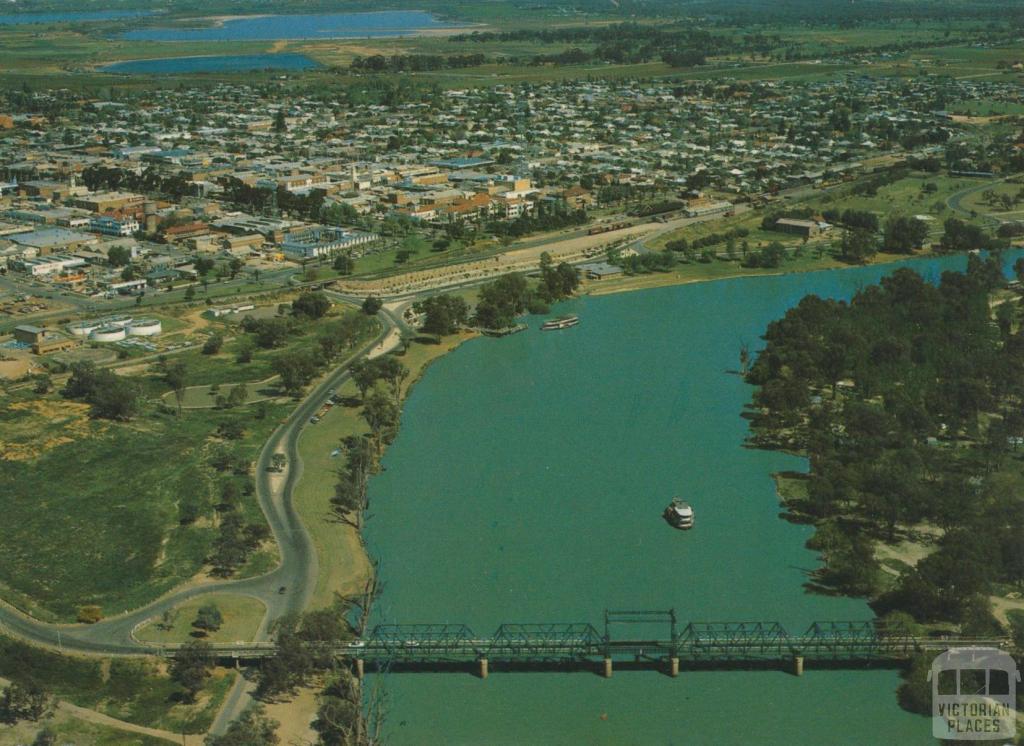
<point>907,552</point>
<point>71,417</point>
<point>296,717</point>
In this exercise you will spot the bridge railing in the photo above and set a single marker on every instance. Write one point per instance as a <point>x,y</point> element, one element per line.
<point>700,642</point>
<point>703,640</point>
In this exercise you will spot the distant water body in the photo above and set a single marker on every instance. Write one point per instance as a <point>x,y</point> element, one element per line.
<point>318,26</point>
<point>527,483</point>
<point>18,19</point>
<point>211,64</point>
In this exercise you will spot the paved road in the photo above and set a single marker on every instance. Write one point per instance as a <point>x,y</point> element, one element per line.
<point>954,202</point>
<point>296,574</point>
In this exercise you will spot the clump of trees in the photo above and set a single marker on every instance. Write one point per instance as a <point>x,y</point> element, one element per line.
<point>236,541</point>
<point>961,236</point>
<point>311,305</point>
<point>18,702</point>
<point>906,401</point>
<point>556,282</point>
<point>904,234</point>
<point>208,619</point>
<point>858,245</point>
<point>303,648</point>
<point>635,264</point>
<point>111,396</point>
<point>297,367</point>
<point>769,257</point>
<point>191,668</point>
<point>501,301</point>
<point>378,63</point>
<point>545,218</point>
<point>253,728</point>
<point>443,314</point>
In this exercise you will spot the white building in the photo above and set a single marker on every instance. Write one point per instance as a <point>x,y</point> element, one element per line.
<point>47,265</point>
<point>109,226</point>
<point>323,241</point>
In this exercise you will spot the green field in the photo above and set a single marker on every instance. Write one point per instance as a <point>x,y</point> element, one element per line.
<point>71,730</point>
<point>241,618</point>
<point>94,520</point>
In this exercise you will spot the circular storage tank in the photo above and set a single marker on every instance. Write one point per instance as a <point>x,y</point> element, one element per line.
<point>108,334</point>
<point>121,321</point>
<point>145,327</point>
<point>84,328</point>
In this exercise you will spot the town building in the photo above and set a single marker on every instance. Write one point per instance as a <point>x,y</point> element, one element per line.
<point>323,241</point>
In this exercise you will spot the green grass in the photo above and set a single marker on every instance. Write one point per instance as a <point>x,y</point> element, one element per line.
<point>242,616</point>
<point>977,202</point>
<point>133,690</point>
<point>422,256</point>
<point>93,507</point>
<point>95,520</point>
<point>906,196</point>
<point>223,368</point>
<point>71,730</point>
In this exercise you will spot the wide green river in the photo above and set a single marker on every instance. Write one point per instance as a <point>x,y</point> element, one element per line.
<point>527,485</point>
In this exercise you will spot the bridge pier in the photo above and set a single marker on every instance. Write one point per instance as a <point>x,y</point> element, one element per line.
<point>360,669</point>
<point>484,668</point>
<point>607,667</point>
<point>798,665</point>
<point>673,666</point>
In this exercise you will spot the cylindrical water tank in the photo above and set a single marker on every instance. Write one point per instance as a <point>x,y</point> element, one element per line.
<point>109,334</point>
<point>145,327</point>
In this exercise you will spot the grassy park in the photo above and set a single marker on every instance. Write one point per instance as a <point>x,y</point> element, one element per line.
<point>241,616</point>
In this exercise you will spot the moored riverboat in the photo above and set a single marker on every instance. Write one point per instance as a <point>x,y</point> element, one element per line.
<point>562,322</point>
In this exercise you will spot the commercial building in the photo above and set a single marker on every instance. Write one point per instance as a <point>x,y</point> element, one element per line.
<point>111,226</point>
<point>599,270</point>
<point>323,241</point>
<point>43,341</point>
<point>47,265</point>
<point>51,240</point>
<point>804,228</point>
<point>107,201</point>
<point>703,206</point>
<point>578,198</point>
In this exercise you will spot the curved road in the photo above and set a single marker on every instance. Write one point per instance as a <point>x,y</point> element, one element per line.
<point>297,571</point>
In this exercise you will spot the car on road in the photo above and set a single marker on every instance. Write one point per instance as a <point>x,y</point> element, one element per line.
<point>314,419</point>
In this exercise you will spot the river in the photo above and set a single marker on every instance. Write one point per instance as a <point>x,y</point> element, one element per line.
<point>526,485</point>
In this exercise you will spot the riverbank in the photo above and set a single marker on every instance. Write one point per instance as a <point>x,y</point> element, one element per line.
<point>686,274</point>
<point>344,567</point>
<point>892,448</point>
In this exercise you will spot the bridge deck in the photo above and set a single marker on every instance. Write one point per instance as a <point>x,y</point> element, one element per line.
<point>698,644</point>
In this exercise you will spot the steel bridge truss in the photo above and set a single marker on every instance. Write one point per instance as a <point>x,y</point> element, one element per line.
<point>703,643</point>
